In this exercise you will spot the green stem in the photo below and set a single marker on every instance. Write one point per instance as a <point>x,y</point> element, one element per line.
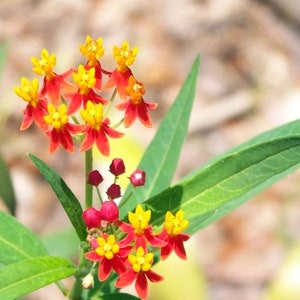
<point>88,169</point>
<point>76,291</point>
<point>99,195</point>
<point>62,287</point>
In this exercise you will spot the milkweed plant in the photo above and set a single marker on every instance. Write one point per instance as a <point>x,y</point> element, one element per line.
<point>123,232</point>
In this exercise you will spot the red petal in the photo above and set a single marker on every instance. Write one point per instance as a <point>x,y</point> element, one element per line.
<point>28,119</point>
<point>125,279</point>
<point>143,114</point>
<point>65,139</point>
<point>75,103</point>
<point>179,247</point>
<point>112,133</point>
<point>102,142</point>
<point>151,105</point>
<point>131,114</point>
<point>88,141</point>
<point>123,105</point>
<point>93,256</point>
<point>141,242</point>
<point>54,140</point>
<point>118,265</point>
<point>104,270</point>
<point>154,277</point>
<point>141,285</point>
<point>92,96</point>
<point>166,251</point>
<point>153,240</point>
<point>52,89</point>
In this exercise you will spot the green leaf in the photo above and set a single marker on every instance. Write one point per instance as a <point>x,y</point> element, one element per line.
<point>17,242</point>
<point>67,241</point>
<point>31,274</point>
<point>227,182</point>
<point>161,157</point>
<point>66,197</point>
<point>6,189</point>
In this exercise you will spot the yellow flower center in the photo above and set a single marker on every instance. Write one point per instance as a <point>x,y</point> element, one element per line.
<point>45,65</point>
<point>174,225</point>
<point>93,114</point>
<point>28,91</point>
<point>141,261</point>
<point>135,90</point>
<point>57,117</point>
<point>107,247</point>
<point>84,79</point>
<point>124,56</point>
<point>92,50</point>
<point>140,219</point>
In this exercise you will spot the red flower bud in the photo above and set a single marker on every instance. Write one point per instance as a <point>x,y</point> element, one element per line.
<point>95,178</point>
<point>117,167</point>
<point>114,191</point>
<point>91,217</point>
<point>109,211</point>
<point>138,178</point>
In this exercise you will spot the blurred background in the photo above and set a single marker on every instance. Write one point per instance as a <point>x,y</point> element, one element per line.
<point>249,82</point>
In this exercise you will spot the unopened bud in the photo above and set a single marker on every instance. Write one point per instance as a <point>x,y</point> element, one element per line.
<point>138,178</point>
<point>95,178</point>
<point>91,217</point>
<point>88,281</point>
<point>109,211</point>
<point>114,191</point>
<point>117,167</point>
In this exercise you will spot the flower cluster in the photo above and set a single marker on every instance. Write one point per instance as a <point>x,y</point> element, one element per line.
<point>127,248</point>
<point>55,106</point>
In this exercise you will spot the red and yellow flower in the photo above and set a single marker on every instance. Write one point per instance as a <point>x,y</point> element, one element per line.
<point>139,231</point>
<point>61,131</point>
<point>109,254</point>
<point>119,78</point>
<point>97,129</point>
<point>172,233</point>
<point>36,107</point>
<point>140,272</point>
<point>53,83</point>
<point>93,50</point>
<point>85,80</point>
<point>136,107</point>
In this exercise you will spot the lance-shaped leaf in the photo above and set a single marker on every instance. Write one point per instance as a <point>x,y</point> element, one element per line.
<point>27,275</point>
<point>6,189</point>
<point>227,182</point>
<point>17,242</point>
<point>161,156</point>
<point>65,196</point>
